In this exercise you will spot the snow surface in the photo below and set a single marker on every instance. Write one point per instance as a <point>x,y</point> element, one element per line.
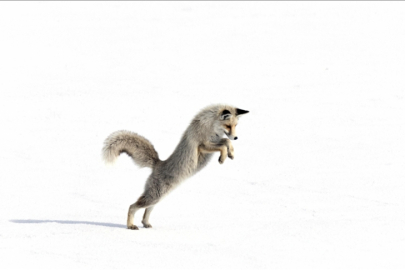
<point>318,176</point>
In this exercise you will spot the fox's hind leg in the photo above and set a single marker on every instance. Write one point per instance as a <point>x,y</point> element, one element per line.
<point>145,220</point>
<point>142,202</point>
<point>131,213</point>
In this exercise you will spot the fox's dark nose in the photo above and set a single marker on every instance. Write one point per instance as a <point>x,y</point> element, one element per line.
<point>235,138</point>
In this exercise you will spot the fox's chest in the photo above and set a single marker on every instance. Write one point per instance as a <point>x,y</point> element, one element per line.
<point>215,138</point>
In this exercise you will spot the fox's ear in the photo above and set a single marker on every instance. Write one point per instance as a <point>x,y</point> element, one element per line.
<point>225,115</point>
<point>240,111</point>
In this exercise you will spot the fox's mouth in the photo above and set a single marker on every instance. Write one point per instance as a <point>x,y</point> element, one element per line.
<point>230,136</point>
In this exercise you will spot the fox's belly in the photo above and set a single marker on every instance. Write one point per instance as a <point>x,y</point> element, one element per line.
<point>203,160</point>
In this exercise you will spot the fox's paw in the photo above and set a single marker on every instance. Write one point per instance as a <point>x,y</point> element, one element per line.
<point>231,153</point>
<point>133,227</point>
<point>221,160</point>
<point>146,225</point>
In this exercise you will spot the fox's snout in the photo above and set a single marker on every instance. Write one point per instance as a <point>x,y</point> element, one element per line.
<point>231,137</point>
<point>230,132</point>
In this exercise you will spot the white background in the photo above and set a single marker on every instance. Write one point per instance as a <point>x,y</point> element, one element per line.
<point>319,169</point>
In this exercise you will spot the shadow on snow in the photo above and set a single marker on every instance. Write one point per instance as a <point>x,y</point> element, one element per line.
<point>68,222</point>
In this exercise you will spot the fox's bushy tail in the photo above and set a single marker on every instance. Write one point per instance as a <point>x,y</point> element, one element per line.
<point>137,147</point>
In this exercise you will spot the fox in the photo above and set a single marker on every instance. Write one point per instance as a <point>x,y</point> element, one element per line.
<point>202,138</point>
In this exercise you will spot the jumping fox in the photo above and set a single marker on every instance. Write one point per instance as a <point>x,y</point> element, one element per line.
<point>201,139</point>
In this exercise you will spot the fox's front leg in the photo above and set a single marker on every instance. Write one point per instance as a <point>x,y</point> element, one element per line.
<point>215,147</point>
<point>229,145</point>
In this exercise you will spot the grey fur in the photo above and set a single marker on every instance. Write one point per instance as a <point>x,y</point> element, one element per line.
<point>201,139</point>
<point>137,147</point>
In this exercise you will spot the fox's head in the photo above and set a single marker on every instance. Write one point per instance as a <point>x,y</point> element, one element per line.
<point>229,120</point>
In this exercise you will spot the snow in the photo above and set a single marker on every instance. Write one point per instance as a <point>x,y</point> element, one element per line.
<point>318,176</point>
